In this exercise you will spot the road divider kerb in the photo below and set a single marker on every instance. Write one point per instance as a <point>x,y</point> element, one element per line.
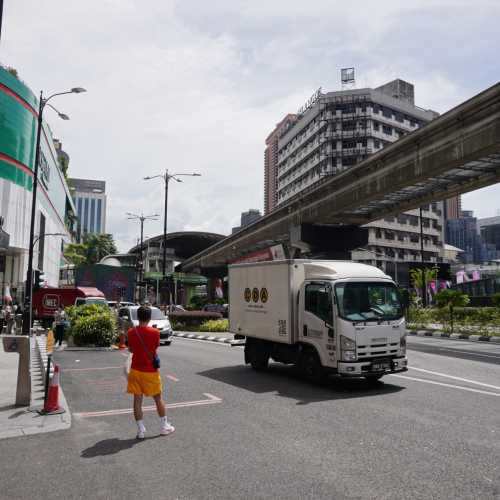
<point>454,336</point>
<point>210,338</point>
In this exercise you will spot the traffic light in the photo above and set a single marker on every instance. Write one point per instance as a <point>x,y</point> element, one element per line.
<point>39,280</point>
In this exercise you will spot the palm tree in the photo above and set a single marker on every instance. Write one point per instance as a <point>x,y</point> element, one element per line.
<point>417,278</point>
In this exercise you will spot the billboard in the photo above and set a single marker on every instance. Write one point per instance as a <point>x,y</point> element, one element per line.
<point>117,283</point>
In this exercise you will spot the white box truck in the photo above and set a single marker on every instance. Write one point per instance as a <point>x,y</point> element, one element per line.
<point>337,317</point>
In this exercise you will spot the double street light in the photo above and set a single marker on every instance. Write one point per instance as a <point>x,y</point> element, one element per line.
<point>166,178</point>
<point>141,218</point>
<point>29,274</point>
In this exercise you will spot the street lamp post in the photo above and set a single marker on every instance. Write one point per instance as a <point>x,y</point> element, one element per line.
<point>29,274</point>
<point>142,218</point>
<point>166,178</point>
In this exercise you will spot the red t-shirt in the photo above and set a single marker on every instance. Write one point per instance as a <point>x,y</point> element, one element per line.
<point>141,360</point>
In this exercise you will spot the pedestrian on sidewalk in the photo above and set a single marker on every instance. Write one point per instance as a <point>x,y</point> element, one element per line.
<point>2,318</point>
<point>9,318</point>
<point>60,321</point>
<point>144,378</point>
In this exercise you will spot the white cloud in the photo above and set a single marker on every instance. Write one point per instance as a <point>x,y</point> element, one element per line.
<point>193,85</point>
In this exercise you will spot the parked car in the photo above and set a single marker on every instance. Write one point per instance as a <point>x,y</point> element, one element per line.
<point>127,318</point>
<point>219,308</point>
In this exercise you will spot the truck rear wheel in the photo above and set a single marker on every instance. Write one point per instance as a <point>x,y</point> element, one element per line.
<point>258,357</point>
<point>310,366</point>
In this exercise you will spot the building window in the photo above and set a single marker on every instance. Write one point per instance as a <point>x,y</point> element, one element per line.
<point>376,143</point>
<point>387,130</point>
<point>92,215</point>
<point>386,112</point>
<point>85,225</point>
<point>399,117</point>
<point>376,126</point>
<point>348,144</point>
<point>98,216</point>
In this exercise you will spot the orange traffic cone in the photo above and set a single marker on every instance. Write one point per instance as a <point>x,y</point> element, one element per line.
<point>122,344</point>
<point>51,406</point>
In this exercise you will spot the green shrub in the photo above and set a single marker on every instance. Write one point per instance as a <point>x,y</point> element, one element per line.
<point>215,325</point>
<point>495,299</point>
<point>91,324</point>
<point>191,318</point>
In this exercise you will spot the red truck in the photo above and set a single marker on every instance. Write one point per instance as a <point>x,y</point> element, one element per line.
<point>47,300</point>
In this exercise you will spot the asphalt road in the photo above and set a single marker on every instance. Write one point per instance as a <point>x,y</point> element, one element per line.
<point>432,432</point>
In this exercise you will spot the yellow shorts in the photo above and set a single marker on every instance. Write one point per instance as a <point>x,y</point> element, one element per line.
<point>147,383</point>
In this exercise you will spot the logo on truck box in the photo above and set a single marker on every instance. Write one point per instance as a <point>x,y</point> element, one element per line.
<point>256,294</point>
<point>51,301</point>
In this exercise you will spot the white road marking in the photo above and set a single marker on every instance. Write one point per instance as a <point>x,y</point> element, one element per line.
<point>439,374</point>
<point>460,351</point>
<point>425,381</point>
<point>171,377</point>
<point>92,369</point>
<point>211,399</point>
<point>208,342</point>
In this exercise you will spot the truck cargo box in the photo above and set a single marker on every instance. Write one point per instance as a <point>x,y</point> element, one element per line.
<point>261,300</point>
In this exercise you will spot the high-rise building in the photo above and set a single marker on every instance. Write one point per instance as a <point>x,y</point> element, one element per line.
<point>247,218</point>
<point>337,130</point>
<point>453,207</point>
<point>489,228</point>
<point>463,233</point>
<point>271,163</point>
<point>90,201</point>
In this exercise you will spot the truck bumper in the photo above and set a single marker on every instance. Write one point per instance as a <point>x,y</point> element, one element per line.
<point>373,367</point>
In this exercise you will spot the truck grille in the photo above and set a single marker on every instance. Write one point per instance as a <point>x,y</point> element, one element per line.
<point>375,350</point>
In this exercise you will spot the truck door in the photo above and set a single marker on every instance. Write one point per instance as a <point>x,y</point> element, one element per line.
<point>316,321</point>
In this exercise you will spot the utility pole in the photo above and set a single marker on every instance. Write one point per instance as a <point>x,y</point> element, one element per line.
<point>424,284</point>
<point>1,17</point>
<point>164,261</point>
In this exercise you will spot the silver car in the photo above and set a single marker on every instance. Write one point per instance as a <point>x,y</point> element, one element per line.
<point>127,318</point>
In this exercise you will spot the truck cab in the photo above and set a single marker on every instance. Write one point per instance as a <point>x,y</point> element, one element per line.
<point>355,325</point>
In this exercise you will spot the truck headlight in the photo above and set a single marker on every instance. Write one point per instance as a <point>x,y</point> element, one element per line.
<point>347,344</point>
<point>347,348</point>
<point>349,355</point>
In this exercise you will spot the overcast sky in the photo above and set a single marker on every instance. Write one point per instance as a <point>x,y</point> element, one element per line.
<point>197,85</point>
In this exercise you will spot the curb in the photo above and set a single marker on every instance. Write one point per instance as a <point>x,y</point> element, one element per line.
<point>210,338</point>
<point>454,336</point>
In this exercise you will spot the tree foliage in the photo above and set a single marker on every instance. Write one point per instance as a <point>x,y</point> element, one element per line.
<point>417,277</point>
<point>450,299</point>
<point>92,250</point>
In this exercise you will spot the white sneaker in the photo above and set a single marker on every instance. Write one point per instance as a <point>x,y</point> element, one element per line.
<point>167,429</point>
<point>141,434</point>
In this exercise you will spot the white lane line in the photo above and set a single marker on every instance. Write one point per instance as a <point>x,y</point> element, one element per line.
<point>211,399</point>
<point>439,374</point>
<point>468,389</point>
<point>208,342</point>
<point>461,351</point>
<point>171,377</point>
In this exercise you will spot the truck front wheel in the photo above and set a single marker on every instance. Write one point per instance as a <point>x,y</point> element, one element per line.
<point>310,366</point>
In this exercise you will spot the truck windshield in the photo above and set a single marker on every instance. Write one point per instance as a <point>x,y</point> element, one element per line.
<point>368,301</point>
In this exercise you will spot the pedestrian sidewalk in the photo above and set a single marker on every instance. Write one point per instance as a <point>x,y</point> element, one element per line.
<point>18,421</point>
